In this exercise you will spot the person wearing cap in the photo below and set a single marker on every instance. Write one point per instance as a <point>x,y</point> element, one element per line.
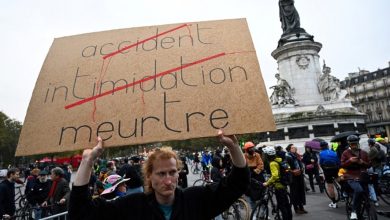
<point>114,187</point>
<point>330,164</point>
<point>355,161</point>
<point>254,161</point>
<point>377,159</point>
<point>162,198</point>
<point>255,164</point>
<point>37,195</point>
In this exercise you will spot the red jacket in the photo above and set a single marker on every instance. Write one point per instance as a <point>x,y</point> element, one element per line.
<point>354,169</point>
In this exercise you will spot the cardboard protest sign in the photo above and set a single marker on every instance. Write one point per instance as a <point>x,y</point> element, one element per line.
<point>147,84</point>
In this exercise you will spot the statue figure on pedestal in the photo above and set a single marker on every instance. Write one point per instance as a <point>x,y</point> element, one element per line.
<point>328,85</point>
<point>289,17</point>
<point>282,93</point>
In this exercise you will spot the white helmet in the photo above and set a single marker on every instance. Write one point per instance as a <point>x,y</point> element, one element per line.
<point>269,150</point>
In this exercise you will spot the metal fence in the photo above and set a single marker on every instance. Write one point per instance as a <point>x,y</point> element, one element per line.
<point>62,216</point>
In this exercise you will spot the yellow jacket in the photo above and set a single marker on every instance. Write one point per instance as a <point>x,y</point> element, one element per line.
<point>275,174</point>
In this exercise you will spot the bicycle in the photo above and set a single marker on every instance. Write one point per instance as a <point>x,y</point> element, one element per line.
<point>205,174</point>
<point>366,211</point>
<point>383,189</point>
<point>20,198</point>
<point>239,210</point>
<point>261,210</point>
<point>337,190</point>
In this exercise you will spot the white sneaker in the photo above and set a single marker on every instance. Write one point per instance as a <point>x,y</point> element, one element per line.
<point>333,205</point>
<point>376,204</point>
<point>353,216</point>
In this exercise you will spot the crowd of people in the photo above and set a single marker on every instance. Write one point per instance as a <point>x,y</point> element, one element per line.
<point>156,187</point>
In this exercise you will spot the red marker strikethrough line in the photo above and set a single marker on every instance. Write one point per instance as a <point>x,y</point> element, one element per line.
<point>143,41</point>
<point>143,80</point>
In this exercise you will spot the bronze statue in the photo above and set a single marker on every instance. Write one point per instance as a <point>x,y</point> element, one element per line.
<point>289,17</point>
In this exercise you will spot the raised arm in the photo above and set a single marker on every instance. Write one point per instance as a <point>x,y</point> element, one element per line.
<point>230,141</point>
<point>89,156</point>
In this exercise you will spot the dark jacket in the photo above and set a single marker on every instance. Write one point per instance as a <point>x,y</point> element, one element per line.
<point>306,159</point>
<point>198,203</point>
<point>39,192</point>
<point>216,174</point>
<point>7,198</point>
<point>62,190</point>
<point>134,173</point>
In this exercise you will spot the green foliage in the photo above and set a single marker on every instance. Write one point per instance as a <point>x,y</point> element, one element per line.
<point>9,136</point>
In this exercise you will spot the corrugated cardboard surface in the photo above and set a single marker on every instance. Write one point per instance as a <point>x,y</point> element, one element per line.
<point>171,82</point>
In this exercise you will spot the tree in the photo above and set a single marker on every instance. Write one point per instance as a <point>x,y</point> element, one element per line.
<point>9,136</point>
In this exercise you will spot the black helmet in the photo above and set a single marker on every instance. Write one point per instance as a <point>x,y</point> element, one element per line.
<point>371,141</point>
<point>324,145</point>
<point>353,139</point>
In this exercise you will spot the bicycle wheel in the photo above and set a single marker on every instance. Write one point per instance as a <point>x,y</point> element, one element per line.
<point>260,212</point>
<point>336,191</point>
<point>384,191</point>
<point>199,182</point>
<point>371,213</point>
<point>23,201</point>
<point>243,208</point>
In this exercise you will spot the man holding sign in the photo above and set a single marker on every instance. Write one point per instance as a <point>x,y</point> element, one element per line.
<point>162,199</point>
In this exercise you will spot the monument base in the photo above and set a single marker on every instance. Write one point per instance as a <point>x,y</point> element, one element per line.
<point>298,124</point>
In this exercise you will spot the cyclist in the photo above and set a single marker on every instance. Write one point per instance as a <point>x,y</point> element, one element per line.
<point>256,166</point>
<point>254,161</point>
<point>330,164</point>
<point>274,180</point>
<point>377,157</point>
<point>355,161</point>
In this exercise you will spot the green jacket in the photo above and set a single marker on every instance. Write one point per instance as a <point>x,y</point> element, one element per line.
<point>274,180</point>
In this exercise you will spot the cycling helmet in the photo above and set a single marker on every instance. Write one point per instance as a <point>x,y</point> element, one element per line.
<point>353,139</point>
<point>269,150</point>
<point>371,141</point>
<point>248,145</point>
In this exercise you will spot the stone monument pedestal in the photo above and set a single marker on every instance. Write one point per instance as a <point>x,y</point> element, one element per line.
<point>310,116</point>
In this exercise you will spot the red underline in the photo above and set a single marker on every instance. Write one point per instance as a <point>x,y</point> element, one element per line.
<point>143,80</point>
<point>143,41</point>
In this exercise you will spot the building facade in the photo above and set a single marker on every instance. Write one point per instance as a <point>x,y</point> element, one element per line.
<point>370,93</point>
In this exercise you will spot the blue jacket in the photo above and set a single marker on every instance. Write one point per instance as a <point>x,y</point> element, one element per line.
<point>329,158</point>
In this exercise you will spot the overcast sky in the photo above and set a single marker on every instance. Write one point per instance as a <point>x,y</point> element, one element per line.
<point>354,33</point>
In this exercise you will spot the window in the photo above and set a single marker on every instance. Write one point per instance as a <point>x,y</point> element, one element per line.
<point>374,85</point>
<point>365,78</point>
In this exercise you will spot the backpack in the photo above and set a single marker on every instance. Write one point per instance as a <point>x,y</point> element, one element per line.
<point>285,173</point>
